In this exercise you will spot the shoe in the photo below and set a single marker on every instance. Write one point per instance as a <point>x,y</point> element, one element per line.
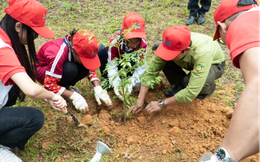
<point>172,91</point>
<point>201,19</point>
<point>190,20</point>
<point>7,156</point>
<point>203,96</point>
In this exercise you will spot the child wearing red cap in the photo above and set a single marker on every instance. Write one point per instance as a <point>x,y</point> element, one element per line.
<point>130,42</point>
<point>65,61</point>
<point>18,124</point>
<point>179,49</point>
<point>238,23</point>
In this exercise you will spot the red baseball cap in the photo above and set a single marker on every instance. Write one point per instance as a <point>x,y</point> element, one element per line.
<point>135,19</point>
<point>228,8</point>
<point>31,13</point>
<point>174,40</point>
<point>86,45</point>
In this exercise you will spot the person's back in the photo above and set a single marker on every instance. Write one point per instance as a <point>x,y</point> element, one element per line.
<point>237,24</point>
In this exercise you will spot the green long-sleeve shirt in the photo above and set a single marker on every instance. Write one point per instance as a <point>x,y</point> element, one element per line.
<point>203,53</point>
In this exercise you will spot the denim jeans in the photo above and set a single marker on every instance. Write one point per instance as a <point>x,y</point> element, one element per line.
<point>18,124</point>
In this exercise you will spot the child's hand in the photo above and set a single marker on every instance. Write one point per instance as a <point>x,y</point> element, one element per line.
<point>102,94</point>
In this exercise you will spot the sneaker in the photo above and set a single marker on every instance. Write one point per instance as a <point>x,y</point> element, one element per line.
<point>201,19</point>
<point>172,91</point>
<point>190,20</point>
<point>8,156</point>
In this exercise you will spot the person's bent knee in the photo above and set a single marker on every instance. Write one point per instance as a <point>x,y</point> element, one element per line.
<point>36,120</point>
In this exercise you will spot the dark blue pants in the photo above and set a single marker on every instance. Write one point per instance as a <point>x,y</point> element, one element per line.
<point>72,73</point>
<point>194,8</point>
<point>18,124</point>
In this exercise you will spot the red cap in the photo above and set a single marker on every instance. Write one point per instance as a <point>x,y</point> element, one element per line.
<point>135,19</point>
<point>86,45</point>
<point>226,9</point>
<point>30,13</point>
<point>174,40</point>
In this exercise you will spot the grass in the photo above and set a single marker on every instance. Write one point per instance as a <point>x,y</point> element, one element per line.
<point>104,17</point>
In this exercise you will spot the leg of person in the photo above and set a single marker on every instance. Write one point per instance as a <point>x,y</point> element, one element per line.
<point>70,71</point>
<point>193,6</point>
<point>205,6</point>
<point>216,71</point>
<point>175,76</point>
<point>252,149</point>
<point>103,56</point>
<point>17,125</point>
<point>244,127</point>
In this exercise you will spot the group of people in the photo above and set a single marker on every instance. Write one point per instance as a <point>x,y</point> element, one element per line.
<point>61,63</point>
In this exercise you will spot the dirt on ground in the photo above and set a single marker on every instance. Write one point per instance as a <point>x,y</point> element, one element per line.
<point>177,133</point>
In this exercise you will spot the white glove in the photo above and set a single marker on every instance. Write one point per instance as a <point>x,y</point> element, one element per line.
<point>116,91</point>
<point>102,94</point>
<point>79,102</point>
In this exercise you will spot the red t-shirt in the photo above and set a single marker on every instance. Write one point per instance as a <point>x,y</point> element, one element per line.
<point>243,34</point>
<point>9,63</point>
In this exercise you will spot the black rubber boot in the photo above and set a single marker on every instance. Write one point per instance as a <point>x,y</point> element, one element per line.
<point>172,91</point>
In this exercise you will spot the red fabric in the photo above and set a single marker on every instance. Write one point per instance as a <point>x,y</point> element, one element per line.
<point>9,63</point>
<point>243,33</point>
<point>52,56</point>
<point>114,51</point>
<point>50,83</point>
<point>92,75</point>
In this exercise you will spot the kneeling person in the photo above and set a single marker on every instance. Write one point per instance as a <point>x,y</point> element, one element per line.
<point>180,48</point>
<point>65,61</point>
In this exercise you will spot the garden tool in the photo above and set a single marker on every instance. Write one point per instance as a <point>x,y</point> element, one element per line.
<point>65,111</point>
<point>102,149</point>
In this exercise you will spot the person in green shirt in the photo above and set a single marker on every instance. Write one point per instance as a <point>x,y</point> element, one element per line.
<point>181,49</point>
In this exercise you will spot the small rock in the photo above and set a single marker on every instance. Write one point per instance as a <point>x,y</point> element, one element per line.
<point>45,145</point>
<point>164,152</point>
<point>141,120</point>
<point>229,113</point>
<point>87,119</point>
<point>175,131</point>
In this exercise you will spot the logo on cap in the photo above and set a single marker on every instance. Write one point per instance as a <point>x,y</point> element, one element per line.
<point>93,54</point>
<point>137,26</point>
<point>167,43</point>
<point>44,17</point>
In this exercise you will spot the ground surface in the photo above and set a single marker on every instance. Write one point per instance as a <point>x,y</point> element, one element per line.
<point>178,133</point>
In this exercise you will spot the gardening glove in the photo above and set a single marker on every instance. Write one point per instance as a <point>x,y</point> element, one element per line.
<point>116,91</point>
<point>79,102</point>
<point>102,94</point>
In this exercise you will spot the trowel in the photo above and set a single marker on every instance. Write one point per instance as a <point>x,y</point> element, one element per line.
<point>102,149</point>
<point>65,111</point>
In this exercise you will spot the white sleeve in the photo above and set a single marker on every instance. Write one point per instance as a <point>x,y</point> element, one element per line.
<point>112,71</point>
<point>139,71</point>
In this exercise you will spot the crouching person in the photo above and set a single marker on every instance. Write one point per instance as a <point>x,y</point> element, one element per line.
<point>65,61</point>
<point>180,48</point>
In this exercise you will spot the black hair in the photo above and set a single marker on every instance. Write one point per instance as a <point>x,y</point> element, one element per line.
<point>72,33</point>
<point>185,48</point>
<point>28,61</point>
<point>242,3</point>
